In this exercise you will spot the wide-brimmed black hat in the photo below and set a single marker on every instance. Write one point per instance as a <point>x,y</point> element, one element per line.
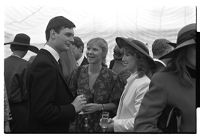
<point>23,41</point>
<point>139,46</point>
<point>186,37</point>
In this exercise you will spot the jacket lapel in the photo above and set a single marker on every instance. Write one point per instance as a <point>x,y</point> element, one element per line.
<point>57,66</point>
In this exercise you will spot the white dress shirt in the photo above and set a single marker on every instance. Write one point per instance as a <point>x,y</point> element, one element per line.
<point>79,61</point>
<point>52,51</point>
<point>130,101</point>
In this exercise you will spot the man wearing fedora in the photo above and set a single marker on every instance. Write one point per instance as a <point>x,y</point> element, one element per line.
<point>52,105</point>
<point>15,81</point>
<point>160,47</point>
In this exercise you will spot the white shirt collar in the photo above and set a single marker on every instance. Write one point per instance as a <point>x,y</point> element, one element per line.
<point>52,51</point>
<point>80,60</point>
<point>132,76</point>
<point>160,61</point>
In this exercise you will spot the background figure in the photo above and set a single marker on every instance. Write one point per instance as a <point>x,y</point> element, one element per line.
<point>7,113</point>
<point>31,59</point>
<point>123,76</point>
<point>67,63</point>
<point>98,84</point>
<point>175,86</point>
<point>160,47</point>
<point>77,49</point>
<point>52,105</point>
<point>116,64</point>
<point>138,62</point>
<point>15,69</point>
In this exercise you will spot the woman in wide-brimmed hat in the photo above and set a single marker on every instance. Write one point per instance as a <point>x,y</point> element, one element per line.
<point>137,60</point>
<point>15,81</point>
<point>175,86</point>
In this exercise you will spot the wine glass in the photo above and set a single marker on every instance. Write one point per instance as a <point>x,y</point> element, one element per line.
<point>104,121</point>
<point>81,92</point>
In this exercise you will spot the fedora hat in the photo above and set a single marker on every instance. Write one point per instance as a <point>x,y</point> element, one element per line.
<point>186,37</point>
<point>139,46</point>
<point>23,41</point>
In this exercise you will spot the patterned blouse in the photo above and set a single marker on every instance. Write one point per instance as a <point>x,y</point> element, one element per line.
<point>106,89</point>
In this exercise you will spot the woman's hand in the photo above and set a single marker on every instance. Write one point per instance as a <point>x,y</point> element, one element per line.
<point>110,127</point>
<point>91,107</point>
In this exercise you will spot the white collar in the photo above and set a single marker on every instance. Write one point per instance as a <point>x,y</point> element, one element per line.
<point>52,51</point>
<point>160,61</point>
<point>132,76</point>
<point>80,60</point>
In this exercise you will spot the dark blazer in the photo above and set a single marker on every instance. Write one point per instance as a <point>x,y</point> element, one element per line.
<point>50,99</point>
<point>111,64</point>
<point>15,81</point>
<point>165,88</point>
<point>84,62</point>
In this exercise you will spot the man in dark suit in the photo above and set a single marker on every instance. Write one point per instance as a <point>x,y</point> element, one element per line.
<point>77,50</point>
<point>52,105</point>
<point>15,69</point>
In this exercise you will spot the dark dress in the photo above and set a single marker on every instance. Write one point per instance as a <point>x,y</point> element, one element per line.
<point>106,89</point>
<point>84,62</point>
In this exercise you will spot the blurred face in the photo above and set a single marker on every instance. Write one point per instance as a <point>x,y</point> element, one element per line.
<point>77,52</point>
<point>191,55</point>
<point>129,61</point>
<point>94,54</point>
<point>63,39</point>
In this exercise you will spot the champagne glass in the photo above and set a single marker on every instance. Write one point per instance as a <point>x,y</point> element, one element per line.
<point>104,121</point>
<point>81,92</point>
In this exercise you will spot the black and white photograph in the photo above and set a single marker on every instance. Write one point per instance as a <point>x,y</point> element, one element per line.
<point>99,67</point>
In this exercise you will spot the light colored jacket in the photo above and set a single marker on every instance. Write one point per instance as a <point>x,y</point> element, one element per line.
<point>130,101</point>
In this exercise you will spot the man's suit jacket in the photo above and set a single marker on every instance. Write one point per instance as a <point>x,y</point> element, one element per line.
<point>84,62</point>
<point>50,99</point>
<point>15,78</point>
<point>15,70</point>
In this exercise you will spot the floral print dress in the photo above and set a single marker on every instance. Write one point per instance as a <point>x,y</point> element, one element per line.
<point>106,89</point>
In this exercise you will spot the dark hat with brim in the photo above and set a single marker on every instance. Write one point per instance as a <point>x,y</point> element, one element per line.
<point>186,37</point>
<point>139,46</point>
<point>23,42</point>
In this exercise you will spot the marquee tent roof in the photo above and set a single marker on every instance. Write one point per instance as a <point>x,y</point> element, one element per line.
<point>100,20</point>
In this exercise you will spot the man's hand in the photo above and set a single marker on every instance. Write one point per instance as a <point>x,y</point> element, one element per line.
<point>91,107</point>
<point>79,103</point>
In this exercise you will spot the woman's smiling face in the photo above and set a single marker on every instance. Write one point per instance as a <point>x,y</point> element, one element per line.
<point>94,54</point>
<point>129,60</point>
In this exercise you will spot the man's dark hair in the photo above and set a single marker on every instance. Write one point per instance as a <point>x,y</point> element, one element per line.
<point>78,42</point>
<point>58,23</point>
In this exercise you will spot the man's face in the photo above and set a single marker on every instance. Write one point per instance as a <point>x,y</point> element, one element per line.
<point>77,52</point>
<point>64,39</point>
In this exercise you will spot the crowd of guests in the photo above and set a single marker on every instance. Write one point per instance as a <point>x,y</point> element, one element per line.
<point>60,90</point>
